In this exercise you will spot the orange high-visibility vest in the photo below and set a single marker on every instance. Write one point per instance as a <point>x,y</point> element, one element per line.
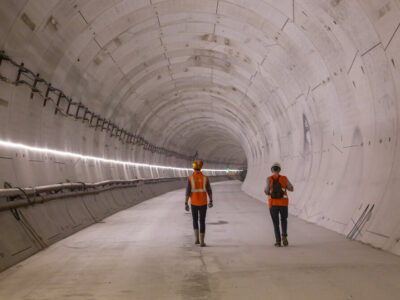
<point>278,202</point>
<point>198,195</point>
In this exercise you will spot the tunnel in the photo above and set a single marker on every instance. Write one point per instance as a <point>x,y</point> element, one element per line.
<point>105,104</point>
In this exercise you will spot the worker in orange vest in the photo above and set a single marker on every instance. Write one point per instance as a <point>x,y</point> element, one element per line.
<point>197,188</point>
<point>278,202</point>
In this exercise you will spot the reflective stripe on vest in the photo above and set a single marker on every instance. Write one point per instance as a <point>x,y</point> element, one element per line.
<point>198,190</point>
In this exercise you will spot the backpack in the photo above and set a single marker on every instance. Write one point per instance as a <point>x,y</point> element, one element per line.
<point>277,192</point>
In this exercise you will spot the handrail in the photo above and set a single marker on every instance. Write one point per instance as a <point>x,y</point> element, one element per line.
<point>16,197</point>
<point>11,192</point>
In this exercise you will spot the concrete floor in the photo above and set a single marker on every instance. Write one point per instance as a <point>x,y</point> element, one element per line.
<point>147,252</point>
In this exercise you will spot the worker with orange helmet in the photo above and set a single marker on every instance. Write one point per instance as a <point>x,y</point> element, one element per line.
<point>197,188</point>
<point>278,202</point>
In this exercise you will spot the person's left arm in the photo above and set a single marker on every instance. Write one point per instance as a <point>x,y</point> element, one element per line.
<point>209,191</point>
<point>289,186</point>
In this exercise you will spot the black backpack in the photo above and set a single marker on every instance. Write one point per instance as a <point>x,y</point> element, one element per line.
<point>277,192</point>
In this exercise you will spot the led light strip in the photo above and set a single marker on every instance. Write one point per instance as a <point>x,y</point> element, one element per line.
<point>7,144</point>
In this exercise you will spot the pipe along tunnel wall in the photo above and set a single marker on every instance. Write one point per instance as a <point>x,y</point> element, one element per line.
<point>314,84</point>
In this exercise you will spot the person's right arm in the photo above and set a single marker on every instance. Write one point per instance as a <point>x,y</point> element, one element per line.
<point>266,190</point>
<point>187,195</point>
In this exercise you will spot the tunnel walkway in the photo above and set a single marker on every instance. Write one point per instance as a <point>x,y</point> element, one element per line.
<point>147,252</point>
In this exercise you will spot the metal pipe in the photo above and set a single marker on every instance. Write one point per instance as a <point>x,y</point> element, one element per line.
<point>85,189</point>
<point>11,192</point>
<point>42,199</point>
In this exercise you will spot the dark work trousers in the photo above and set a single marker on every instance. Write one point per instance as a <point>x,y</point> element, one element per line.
<point>283,211</point>
<point>202,210</point>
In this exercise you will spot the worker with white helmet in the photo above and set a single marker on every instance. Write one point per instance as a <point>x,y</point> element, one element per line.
<point>197,188</point>
<point>278,202</point>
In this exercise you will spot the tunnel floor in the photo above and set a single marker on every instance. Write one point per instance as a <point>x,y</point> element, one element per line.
<point>147,252</point>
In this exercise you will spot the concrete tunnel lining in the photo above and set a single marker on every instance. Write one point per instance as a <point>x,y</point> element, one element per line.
<point>313,84</point>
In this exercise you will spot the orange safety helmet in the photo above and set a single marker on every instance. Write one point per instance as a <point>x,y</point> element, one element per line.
<point>197,164</point>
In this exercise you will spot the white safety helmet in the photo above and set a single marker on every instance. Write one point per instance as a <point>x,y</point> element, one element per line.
<point>276,167</point>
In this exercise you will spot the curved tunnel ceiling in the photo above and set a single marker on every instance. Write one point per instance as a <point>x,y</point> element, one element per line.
<point>160,61</point>
<point>311,83</point>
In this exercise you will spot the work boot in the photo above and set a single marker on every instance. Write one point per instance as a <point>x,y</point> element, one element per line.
<point>202,244</point>
<point>277,244</point>
<point>284,240</point>
<point>196,236</point>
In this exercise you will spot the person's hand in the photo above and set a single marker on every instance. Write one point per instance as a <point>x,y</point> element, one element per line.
<point>210,204</point>
<point>186,206</point>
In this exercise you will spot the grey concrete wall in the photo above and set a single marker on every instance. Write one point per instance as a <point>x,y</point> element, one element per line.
<point>313,84</point>
<point>337,134</point>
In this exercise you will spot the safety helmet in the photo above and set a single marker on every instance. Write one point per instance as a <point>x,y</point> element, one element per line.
<point>197,164</point>
<point>276,167</point>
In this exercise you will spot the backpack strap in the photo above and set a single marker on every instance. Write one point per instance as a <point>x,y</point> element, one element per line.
<point>271,185</point>
<point>283,189</point>
<point>273,179</point>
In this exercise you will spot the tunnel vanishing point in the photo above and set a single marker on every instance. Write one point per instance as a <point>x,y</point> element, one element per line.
<point>104,100</point>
